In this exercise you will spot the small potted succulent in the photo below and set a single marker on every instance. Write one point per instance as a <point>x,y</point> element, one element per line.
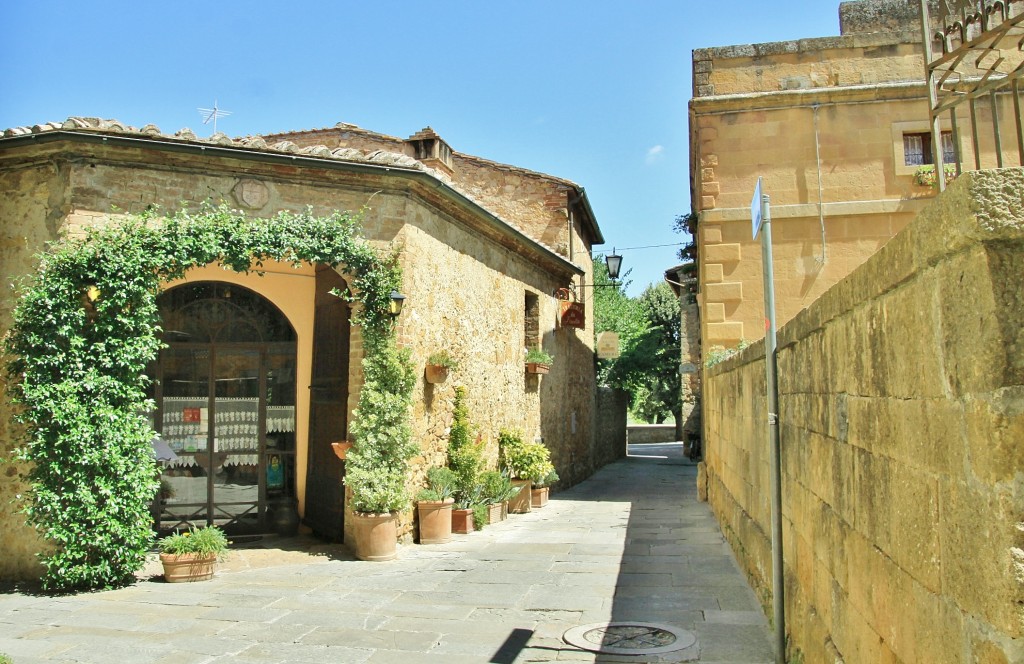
<point>192,555</point>
<point>538,361</point>
<point>439,364</point>
<point>434,506</point>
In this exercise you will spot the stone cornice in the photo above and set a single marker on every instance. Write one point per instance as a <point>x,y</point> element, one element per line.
<point>784,99</point>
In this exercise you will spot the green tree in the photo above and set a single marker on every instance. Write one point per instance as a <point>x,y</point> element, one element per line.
<point>649,333</point>
<point>614,311</point>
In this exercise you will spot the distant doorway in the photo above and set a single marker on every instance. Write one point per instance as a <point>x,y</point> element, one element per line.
<point>225,405</point>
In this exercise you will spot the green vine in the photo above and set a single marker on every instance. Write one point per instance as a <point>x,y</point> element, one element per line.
<point>86,329</point>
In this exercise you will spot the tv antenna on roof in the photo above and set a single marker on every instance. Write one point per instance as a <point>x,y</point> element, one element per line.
<point>212,114</point>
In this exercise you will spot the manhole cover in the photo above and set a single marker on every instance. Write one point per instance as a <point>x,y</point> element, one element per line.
<point>629,638</point>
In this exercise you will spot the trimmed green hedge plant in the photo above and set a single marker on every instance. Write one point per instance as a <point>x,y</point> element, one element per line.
<point>85,330</point>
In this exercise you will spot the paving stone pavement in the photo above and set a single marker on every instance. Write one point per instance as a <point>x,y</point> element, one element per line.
<point>632,543</point>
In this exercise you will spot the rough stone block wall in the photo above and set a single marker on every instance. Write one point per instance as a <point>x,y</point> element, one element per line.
<point>902,412</point>
<point>650,433</point>
<point>610,426</point>
<point>30,209</point>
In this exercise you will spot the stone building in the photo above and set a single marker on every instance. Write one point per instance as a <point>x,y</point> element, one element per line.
<point>484,249</point>
<point>838,128</point>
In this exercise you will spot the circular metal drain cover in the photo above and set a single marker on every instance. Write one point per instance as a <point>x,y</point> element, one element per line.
<point>629,638</point>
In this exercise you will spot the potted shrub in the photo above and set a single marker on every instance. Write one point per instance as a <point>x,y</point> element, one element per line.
<point>378,463</point>
<point>497,491</point>
<point>524,463</point>
<point>537,361</point>
<point>542,487</point>
<point>192,555</point>
<point>434,507</point>
<point>438,365</point>
<point>464,456</point>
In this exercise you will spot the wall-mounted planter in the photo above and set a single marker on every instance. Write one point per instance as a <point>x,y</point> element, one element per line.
<point>436,373</point>
<point>537,368</point>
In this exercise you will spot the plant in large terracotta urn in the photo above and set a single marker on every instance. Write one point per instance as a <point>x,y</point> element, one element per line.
<point>378,463</point>
<point>464,458</point>
<point>434,506</point>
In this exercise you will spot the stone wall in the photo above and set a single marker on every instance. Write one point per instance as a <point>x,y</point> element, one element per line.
<point>610,426</point>
<point>638,434</point>
<point>902,412</point>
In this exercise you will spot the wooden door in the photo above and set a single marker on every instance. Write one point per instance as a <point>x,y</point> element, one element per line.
<point>328,408</point>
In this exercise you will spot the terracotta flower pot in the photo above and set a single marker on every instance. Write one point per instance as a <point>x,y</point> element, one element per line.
<point>376,536</point>
<point>435,518</point>
<point>537,368</point>
<point>341,448</point>
<point>462,521</point>
<point>521,503</point>
<point>436,373</point>
<point>539,496</point>
<point>497,512</point>
<point>185,567</point>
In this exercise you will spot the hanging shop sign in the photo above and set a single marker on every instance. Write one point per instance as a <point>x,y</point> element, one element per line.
<point>571,313</point>
<point>607,345</point>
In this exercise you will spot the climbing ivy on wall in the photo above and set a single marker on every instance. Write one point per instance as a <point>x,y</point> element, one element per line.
<point>86,327</point>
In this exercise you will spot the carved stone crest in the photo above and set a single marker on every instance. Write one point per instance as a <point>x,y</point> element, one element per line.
<point>252,194</point>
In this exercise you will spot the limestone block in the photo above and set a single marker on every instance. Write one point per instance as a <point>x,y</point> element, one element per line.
<point>902,336</point>
<point>982,312</point>
<point>723,292</point>
<point>713,273</point>
<point>995,431</point>
<point>721,253</point>
<point>897,508</point>
<point>981,579</point>
<point>923,433</point>
<point>714,312</point>
<point>711,234</point>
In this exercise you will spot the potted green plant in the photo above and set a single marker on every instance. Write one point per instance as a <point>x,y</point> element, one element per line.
<point>439,363</point>
<point>434,506</point>
<point>464,458</point>
<point>524,463</point>
<point>497,491</point>
<point>542,487</point>
<point>538,361</point>
<point>378,463</point>
<point>192,555</point>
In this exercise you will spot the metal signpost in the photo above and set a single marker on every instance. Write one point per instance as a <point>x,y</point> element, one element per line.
<point>761,220</point>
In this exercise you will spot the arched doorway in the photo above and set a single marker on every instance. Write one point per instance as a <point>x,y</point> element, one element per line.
<point>225,394</point>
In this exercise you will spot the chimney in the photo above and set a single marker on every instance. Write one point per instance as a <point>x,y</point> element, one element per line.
<point>431,149</point>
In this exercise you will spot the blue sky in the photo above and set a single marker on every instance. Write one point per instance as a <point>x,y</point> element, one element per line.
<point>591,91</point>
